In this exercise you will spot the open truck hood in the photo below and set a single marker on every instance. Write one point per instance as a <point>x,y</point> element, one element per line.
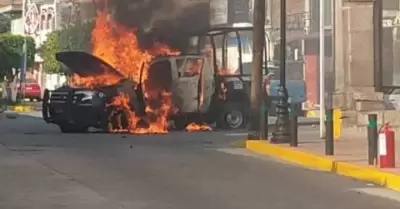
<point>85,64</point>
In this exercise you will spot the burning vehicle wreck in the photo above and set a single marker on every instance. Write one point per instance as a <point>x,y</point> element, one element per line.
<point>117,103</point>
<point>76,108</point>
<point>122,86</point>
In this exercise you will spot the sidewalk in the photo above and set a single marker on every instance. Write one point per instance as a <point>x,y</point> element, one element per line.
<point>303,121</point>
<point>350,158</point>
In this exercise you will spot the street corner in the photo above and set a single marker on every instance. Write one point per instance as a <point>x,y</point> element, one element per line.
<point>22,108</point>
<point>327,164</point>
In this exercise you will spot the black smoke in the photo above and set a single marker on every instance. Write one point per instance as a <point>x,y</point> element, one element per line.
<point>165,21</point>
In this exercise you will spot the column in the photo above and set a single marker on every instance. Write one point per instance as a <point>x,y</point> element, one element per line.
<point>354,68</point>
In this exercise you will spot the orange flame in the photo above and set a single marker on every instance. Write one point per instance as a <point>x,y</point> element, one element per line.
<point>92,82</point>
<point>118,46</point>
<point>198,127</point>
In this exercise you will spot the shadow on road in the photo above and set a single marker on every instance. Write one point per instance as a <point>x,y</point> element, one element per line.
<point>29,129</point>
<point>26,123</point>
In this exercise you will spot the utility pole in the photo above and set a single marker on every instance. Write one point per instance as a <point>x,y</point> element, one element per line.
<point>322,69</point>
<point>24,55</point>
<point>257,75</point>
<point>282,131</point>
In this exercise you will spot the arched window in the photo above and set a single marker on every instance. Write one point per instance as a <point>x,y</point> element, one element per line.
<point>48,21</point>
<point>43,19</point>
<point>52,19</point>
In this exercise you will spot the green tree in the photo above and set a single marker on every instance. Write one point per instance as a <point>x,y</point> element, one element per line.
<point>70,38</point>
<point>5,24</point>
<point>76,37</point>
<point>48,51</point>
<point>11,54</point>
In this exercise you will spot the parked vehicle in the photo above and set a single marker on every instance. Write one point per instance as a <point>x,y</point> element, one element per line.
<point>29,89</point>
<point>296,91</point>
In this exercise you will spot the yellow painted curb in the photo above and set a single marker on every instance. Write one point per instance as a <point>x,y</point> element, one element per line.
<point>290,155</point>
<point>22,108</point>
<point>364,173</point>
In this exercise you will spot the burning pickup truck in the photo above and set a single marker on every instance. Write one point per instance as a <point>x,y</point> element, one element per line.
<point>75,109</point>
<point>183,91</point>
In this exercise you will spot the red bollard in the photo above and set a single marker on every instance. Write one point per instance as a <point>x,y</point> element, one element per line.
<point>386,147</point>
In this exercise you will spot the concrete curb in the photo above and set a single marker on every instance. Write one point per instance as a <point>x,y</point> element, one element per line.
<point>22,108</point>
<point>364,173</point>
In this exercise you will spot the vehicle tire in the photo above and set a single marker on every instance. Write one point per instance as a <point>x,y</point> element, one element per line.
<point>69,128</point>
<point>118,119</point>
<point>233,116</point>
<point>45,106</point>
<point>180,123</point>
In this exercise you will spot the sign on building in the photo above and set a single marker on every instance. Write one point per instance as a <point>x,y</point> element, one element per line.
<point>218,12</point>
<point>39,19</point>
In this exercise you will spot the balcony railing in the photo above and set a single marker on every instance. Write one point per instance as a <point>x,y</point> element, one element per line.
<point>298,21</point>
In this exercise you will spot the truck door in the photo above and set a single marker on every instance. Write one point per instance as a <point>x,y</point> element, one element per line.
<point>187,87</point>
<point>207,86</point>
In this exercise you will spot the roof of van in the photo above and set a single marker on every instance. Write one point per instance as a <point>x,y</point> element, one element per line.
<point>166,57</point>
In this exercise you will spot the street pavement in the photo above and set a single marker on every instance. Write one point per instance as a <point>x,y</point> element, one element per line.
<point>40,168</point>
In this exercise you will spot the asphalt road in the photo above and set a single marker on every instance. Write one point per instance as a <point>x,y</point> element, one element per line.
<point>43,169</point>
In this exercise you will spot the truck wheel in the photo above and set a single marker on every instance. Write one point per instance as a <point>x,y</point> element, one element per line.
<point>180,123</point>
<point>69,128</point>
<point>118,119</point>
<point>45,106</point>
<point>233,116</point>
